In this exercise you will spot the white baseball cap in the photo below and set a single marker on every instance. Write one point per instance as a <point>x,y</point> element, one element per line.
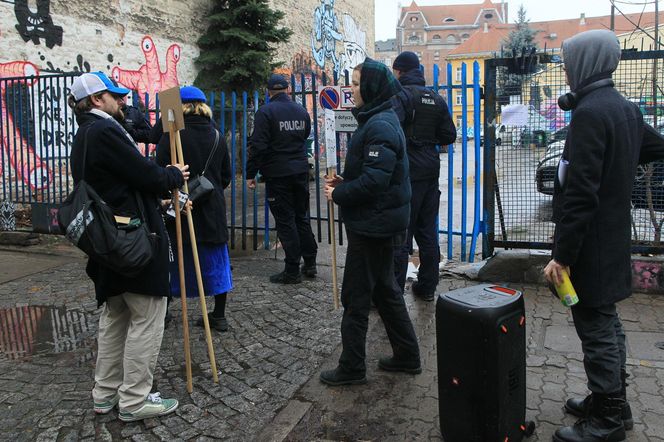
<point>90,83</point>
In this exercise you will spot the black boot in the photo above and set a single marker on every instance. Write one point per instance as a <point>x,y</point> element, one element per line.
<point>580,407</point>
<point>339,376</point>
<point>309,269</point>
<point>286,278</point>
<point>393,364</point>
<point>603,422</point>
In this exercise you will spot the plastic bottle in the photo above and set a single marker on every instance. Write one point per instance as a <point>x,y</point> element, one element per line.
<point>566,291</point>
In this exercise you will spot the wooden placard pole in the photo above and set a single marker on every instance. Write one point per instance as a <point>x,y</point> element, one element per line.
<point>197,267</point>
<point>335,287</point>
<point>331,159</point>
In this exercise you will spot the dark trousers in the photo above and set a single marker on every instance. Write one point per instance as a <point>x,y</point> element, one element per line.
<point>369,275</point>
<point>423,216</point>
<point>288,198</point>
<point>603,342</point>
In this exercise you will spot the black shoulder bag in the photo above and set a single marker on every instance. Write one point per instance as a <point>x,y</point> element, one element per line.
<point>201,187</point>
<point>90,224</point>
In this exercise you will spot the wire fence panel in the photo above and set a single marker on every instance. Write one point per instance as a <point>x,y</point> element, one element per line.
<point>526,133</point>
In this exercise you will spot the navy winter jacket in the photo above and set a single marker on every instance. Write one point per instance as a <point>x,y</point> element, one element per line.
<point>375,195</point>
<point>278,143</point>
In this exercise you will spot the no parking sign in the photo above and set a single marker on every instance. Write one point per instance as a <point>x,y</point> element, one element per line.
<point>329,97</point>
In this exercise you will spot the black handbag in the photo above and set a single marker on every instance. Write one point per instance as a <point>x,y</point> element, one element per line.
<point>201,187</point>
<point>90,224</point>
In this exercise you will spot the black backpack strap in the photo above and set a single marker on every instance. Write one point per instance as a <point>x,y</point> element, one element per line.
<point>214,149</point>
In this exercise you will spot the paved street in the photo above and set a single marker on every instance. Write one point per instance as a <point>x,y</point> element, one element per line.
<point>269,361</point>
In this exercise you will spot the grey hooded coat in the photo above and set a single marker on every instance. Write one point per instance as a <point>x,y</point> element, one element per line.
<point>607,138</point>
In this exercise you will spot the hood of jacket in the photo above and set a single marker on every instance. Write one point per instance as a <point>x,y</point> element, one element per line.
<point>590,56</point>
<point>377,85</point>
<point>414,77</point>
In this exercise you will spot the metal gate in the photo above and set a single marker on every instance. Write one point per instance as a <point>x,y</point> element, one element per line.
<point>525,134</point>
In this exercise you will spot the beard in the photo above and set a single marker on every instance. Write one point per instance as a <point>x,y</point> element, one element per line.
<point>119,116</point>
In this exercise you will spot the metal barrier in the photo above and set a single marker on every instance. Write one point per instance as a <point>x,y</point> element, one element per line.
<point>521,159</point>
<point>38,128</point>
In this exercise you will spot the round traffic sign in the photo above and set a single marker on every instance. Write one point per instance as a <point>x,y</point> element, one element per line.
<point>329,98</point>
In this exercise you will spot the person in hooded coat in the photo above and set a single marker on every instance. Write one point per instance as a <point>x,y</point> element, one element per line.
<point>374,198</point>
<point>606,141</point>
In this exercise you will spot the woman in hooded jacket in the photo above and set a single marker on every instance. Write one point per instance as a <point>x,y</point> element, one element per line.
<point>373,194</point>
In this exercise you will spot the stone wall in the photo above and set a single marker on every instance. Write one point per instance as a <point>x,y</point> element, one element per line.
<point>121,37</point>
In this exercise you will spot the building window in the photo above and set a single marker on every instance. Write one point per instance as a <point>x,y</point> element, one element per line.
<point>436,53</point>
<point>413,39</point>
<point>459,98</point>
<point>436,37</point>
<point>465,36</point>
<point>414,18</point>
<point>459,122</point>
<point>488,16</point>
<point>451,38</point>
<point>458,74</point>
<point>449,20</point>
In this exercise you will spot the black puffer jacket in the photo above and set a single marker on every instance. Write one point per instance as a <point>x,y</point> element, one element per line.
<point>375,195</point>
<point>116,170</point>
<point>197,142</point>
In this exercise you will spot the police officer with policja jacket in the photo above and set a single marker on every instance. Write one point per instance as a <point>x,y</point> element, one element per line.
<point>426,123</point>
<point>278,150</point>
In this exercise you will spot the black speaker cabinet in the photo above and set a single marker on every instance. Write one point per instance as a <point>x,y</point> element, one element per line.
<point>481,344</point>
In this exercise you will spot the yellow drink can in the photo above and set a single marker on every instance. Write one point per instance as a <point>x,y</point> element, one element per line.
<point>566,291</point>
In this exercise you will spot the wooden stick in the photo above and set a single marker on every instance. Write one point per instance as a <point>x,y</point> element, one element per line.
<point>178,233</point>
<point>197,267</point>
<point>335,288</point>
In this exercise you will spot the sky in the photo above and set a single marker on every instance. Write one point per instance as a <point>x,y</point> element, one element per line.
<point>536,10</point>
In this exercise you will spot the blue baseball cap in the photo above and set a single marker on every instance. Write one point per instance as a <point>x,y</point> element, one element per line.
<point>277,82</point>
<point>189,94</point>
<point>91,83</point>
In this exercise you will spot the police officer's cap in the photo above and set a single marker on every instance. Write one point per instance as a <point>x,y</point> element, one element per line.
<point>277,82</point>
<point>190,94</point>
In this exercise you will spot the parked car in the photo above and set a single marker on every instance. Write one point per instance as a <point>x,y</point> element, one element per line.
<point>547,169</point>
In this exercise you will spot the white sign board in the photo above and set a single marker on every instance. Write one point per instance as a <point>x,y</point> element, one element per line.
<point>330,139</point>
<point>345,121</point>
<point>346,98</point>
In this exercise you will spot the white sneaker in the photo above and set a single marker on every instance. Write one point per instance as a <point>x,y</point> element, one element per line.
<point>153,406</point>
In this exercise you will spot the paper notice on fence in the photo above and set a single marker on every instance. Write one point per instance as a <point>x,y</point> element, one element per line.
<point>514,115</point>
<point>330,139</point>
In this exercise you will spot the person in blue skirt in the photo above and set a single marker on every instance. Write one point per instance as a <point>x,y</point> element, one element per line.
<point>198,147</point>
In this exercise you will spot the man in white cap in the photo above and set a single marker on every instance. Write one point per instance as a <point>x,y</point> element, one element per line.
<point>131,325</point>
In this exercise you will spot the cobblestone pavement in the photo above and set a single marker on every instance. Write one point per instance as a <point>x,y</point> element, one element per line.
<point>398,407</point>
<point>269,361</point>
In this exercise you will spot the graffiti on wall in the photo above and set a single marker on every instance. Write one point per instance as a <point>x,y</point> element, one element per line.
<point>37,25</point>
<point>17,148</point>
<point>325,35</point>
<point>149,78</point>
<point>327,31</point>
<point>355,43</point>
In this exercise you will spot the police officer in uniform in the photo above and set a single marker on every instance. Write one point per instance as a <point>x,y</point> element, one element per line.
<point>278,151</point>
<point>426,122</point>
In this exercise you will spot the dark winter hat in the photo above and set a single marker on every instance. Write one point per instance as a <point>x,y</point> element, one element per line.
<point>189,94</point>
<point>406,61</point>
<point>277,82</point>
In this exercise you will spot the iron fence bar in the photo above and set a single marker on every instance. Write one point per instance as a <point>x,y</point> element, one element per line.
<point>450,171</point>
<point>244,171</point>
<point>464,159</point>
<point>255,194</point>
<point>316,143</point>
<point>478,171</point>
<point>3,143</point>
<point>490,183</point>
<point>233,160</point>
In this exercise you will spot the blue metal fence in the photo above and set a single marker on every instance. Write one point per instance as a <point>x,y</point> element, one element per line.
<point>47,115</point>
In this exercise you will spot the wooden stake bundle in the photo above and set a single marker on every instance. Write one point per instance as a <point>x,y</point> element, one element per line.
<point>335,288</point>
